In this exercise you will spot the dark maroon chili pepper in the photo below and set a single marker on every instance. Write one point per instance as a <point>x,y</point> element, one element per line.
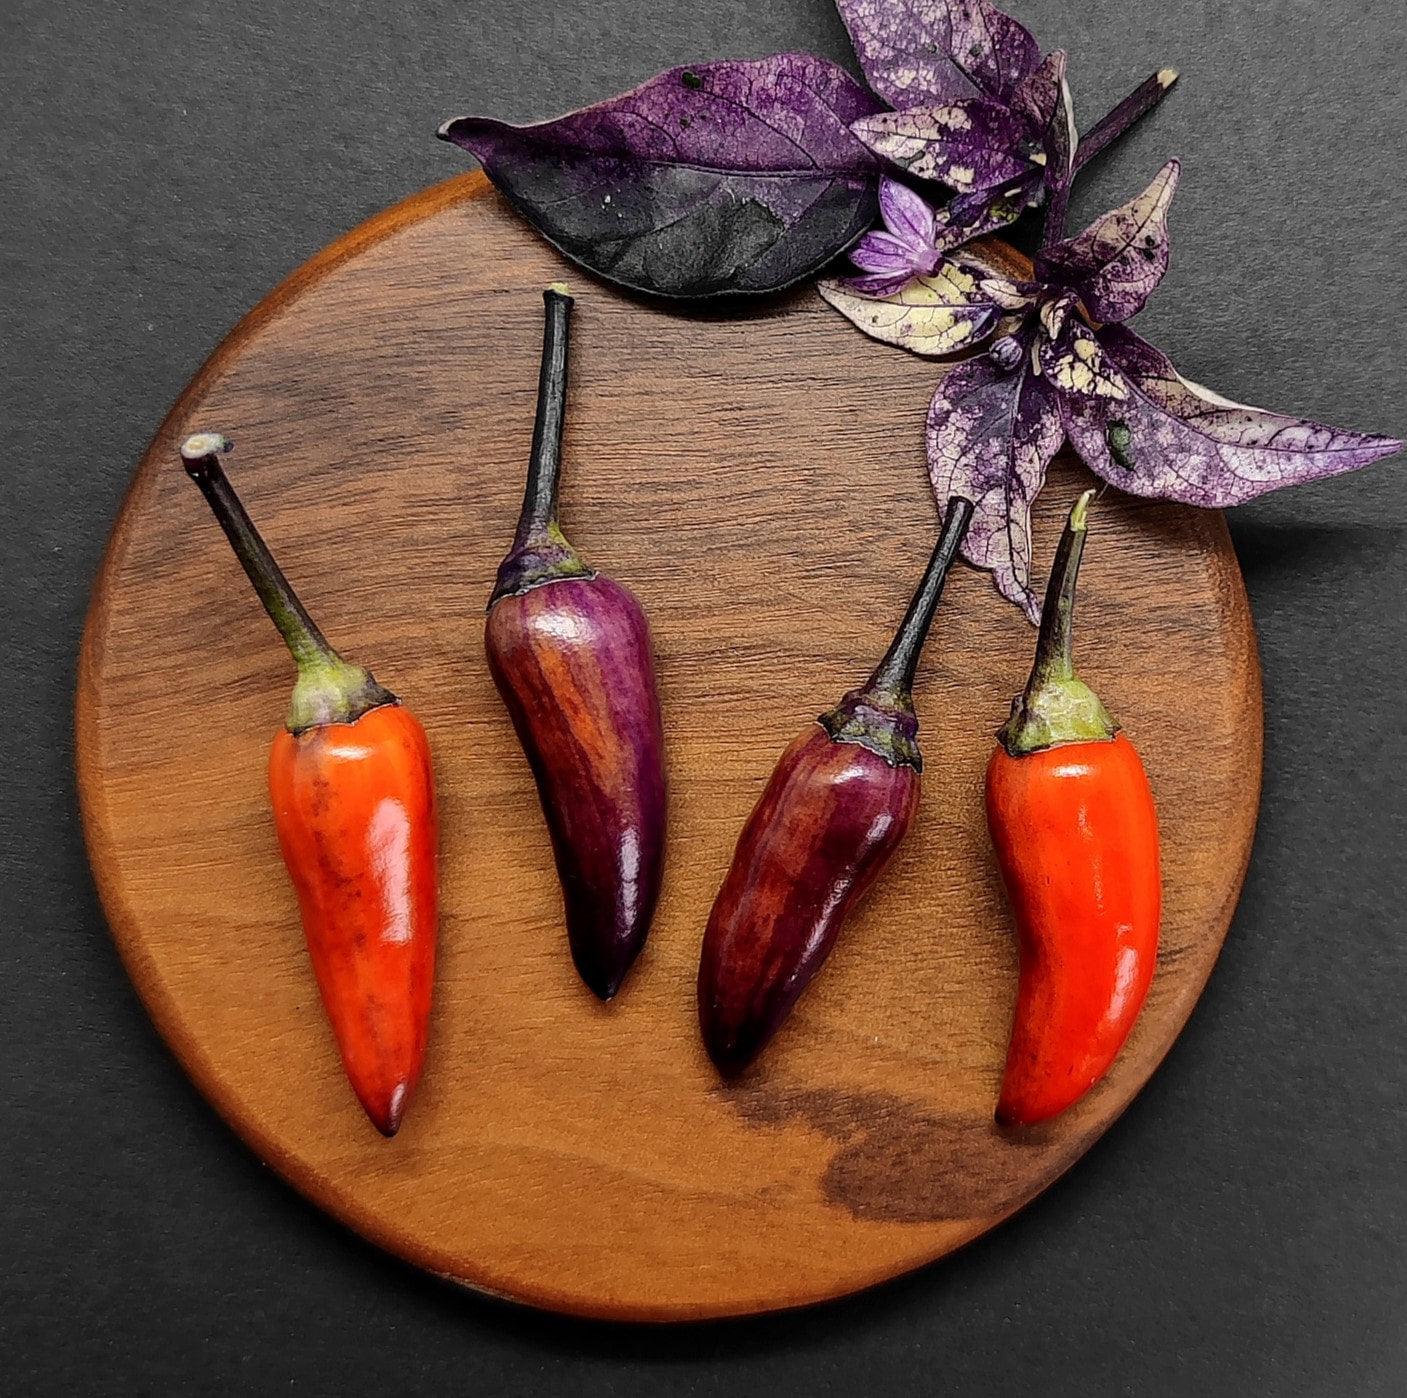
<point>570,654</point>
<point>838,805</point>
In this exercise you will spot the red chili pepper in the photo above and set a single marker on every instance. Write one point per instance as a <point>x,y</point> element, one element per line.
<point>838,805</point>
<point>1076,835</point>
<point>354,805</point>
<point>570,653</point>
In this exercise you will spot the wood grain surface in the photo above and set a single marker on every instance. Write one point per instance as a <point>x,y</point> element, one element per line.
<point>757,478</point>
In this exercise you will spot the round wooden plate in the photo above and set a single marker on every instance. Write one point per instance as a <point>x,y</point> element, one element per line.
<point>758,479</point>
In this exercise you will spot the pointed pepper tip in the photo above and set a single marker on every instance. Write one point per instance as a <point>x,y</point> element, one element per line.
<point>386,1116</point>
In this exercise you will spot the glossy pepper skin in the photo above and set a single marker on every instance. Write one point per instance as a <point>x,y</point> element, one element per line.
<point>1073,823</point>
<point>352,792</point>
<point>837,806</point>
<point>570,653</point>
<point>355,812</point>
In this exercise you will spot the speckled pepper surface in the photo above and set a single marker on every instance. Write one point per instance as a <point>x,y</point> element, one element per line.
<point>570,653</point>
<point>353,798</point>
<point>1076,836</point>
<point>837,806</point>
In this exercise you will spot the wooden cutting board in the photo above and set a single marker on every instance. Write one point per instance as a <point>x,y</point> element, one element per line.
<point>758,479</point>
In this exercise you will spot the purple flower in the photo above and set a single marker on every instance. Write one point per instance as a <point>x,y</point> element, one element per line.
<point>906,249</point>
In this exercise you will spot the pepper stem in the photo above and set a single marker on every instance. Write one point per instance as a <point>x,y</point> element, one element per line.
<point>880,714</point>
<point>1056,706</point>
<point>1108,129</point>
<point>329,689</point>
<point>1120,119</point>
<point>541,552</point>
<point>895,673</point>
<point>539,510</point>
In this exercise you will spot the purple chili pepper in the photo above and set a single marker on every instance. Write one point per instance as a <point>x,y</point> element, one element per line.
<point>570,653</point>
<point>838,805</point>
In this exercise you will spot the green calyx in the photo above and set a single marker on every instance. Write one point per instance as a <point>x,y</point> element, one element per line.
<point>544,556</point>
<point>329,689</point>
<point>1059,711</point>
<point>332,690</point>
<point>883,721</point>
<point>1057,706</point>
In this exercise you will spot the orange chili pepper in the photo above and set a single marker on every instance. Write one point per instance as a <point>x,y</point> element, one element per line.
<point>354,805</point>
<point>1076,836</point>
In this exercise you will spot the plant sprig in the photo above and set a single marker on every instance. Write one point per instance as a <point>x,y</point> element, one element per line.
<point>748,176</point>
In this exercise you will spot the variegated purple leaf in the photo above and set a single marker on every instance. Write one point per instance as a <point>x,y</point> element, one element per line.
<point>972,216</point>
<point>1115,264</point>
<point>923,52</point>
<point>1173,439</point>
<point>973,144</point>
<point>940,314</point>
<point>1071,358</point>
<point>1037,96</point>
<point>992,434</point>
<point>725,177</point>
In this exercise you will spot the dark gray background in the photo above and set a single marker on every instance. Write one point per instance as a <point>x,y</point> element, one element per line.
<point>1241,1230</point>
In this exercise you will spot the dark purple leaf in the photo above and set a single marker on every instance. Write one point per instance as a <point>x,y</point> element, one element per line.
<point>919,53</point>
<point>992,433</point>
<point>1037,96</point>
<point>1173,439</point>
<point>972,144</point>
<point>725,177</point>
<point>943,313</point>
<point>1115,264</point>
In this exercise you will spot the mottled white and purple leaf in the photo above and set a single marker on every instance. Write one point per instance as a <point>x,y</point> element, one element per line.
<point>1043,102</point>
<point>1118,261</point>
<point>943,313</point>
<point>970,216</point>
<point>973,144</point>
<point>1070,357</point>
<point>738,176</point>
<point>1037,96</point>
<point>1170,438</point>
<point>925,52</point>
<point>992,433</point>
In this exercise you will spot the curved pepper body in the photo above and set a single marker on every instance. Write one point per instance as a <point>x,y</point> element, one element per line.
<point>355,811</point>
<point>1076,837</point>
<point>573,663</point>
<point>830,818</point>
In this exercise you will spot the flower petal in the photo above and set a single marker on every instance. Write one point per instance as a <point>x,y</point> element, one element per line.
<point>908,216</point>
<point>882,252</point>
<point>874,284</point>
